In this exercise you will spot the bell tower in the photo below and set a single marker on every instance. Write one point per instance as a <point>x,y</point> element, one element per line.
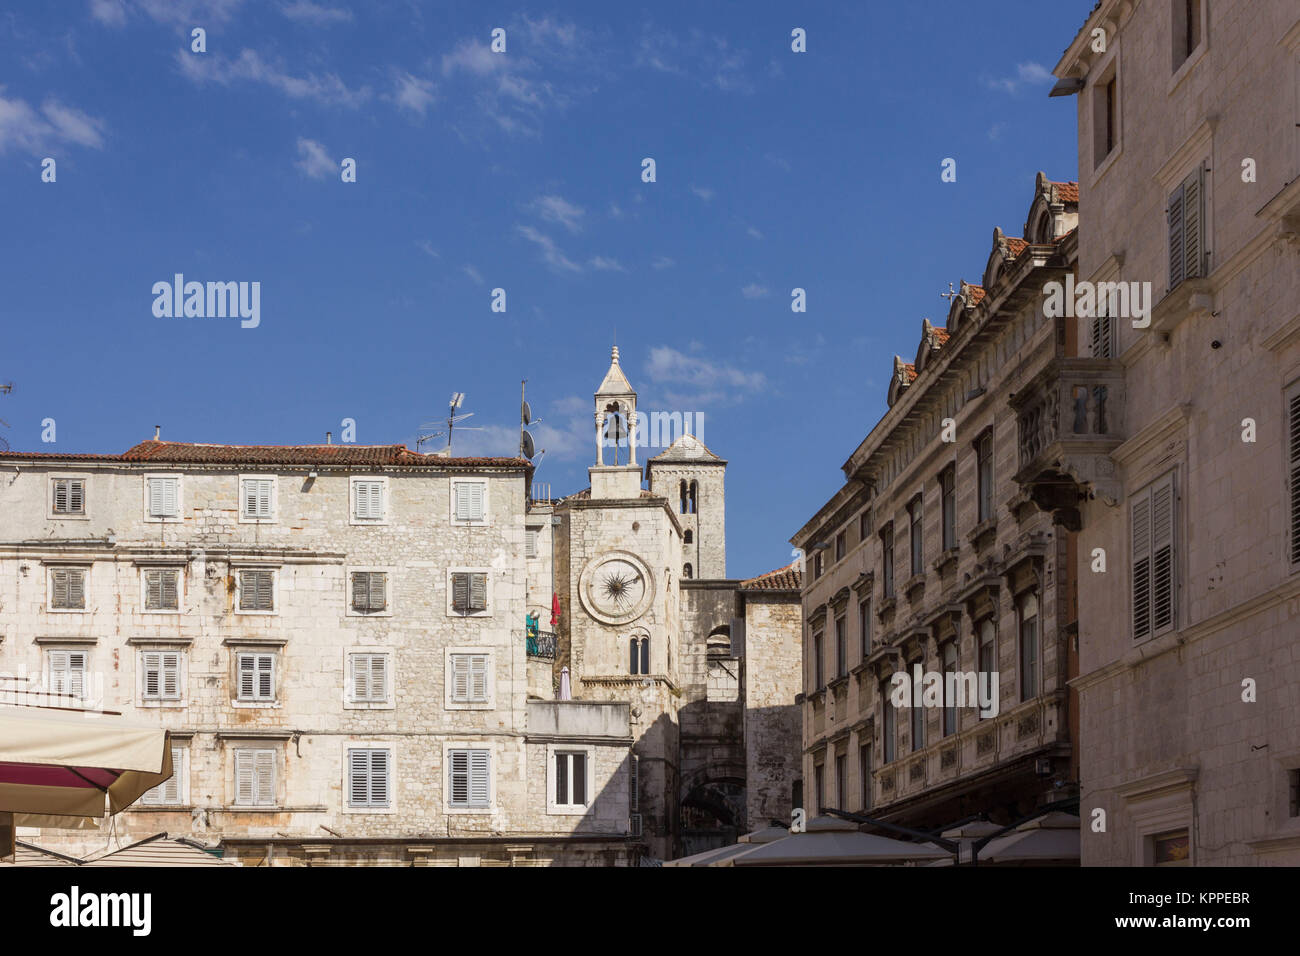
<point>616,432</point>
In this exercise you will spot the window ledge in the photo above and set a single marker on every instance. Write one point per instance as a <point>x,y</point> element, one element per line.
<point>945,562</point>
<point>1187,66</point>
<point>983,533</point>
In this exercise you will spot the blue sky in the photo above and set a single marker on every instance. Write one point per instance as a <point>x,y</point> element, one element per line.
<point>519,171</point>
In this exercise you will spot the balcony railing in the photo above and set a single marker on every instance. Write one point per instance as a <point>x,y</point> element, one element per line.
<point>541,645</point>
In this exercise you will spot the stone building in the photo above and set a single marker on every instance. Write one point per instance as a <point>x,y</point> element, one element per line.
<point>334,635</point>
<point>650,618</point>
<point>937,558</point>
<point>1189,680</point>
<point>353,649</point>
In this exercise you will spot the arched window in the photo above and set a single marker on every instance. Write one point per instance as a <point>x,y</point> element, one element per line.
<point>693,497</point>
<point>639,655</point>
<point>688,536</point>
<point>686,570</point>
<point>683,494</point>
<point>1043,231</point>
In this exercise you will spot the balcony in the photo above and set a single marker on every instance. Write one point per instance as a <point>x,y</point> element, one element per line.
<point>1069,420</point>
<point>541,646</point>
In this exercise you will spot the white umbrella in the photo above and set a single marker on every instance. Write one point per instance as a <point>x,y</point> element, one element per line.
<point>717,855</point>
<point>830,841</point>
<point>566,692</point>
<point>1050,839</point>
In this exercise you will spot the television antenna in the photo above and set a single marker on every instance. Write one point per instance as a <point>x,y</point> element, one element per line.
<point>5,390</point>
<point>452,420</point>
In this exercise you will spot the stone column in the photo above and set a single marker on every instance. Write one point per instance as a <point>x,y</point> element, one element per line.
<point>631,437</point>
<point>600,438</point>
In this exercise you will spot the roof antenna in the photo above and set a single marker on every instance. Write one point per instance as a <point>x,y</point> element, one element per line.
<point>157,433</point>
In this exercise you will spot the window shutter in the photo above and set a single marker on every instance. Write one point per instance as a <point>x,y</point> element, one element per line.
<point>1294,469</point>
<point>247,677</point>
<point>245,784</point>
<point>1101,330</point>
<point>478,778</point>
<point>265,766</point>
<point>152,675</point>
<point>265,676</point>
<point>60,497</point>
<point>1140,564</point>
<point>1194,224</point>
<point>76,497</point>
<point>462,502</point>
<point>478,677</point>
<point>77,588</point>
<point>460,591</point>
<point>530,543</point>
<point>580,779</point>
<point>1177,251</point>
<point>359,778</point>
<point>459,777</point>
<point>1162,556</point>
<point>460,677</point>
<point>478,592</point>
<point>379,677</point>
<point>171,787</point>
<point>156,498</point>
<point>153,590</point>
<point>256,590</point>
<point>378,580</point>
<point>170,587</point>
<point>59,587</point>
<point>360,600</point>
<point>360,677</point>
<point>170,665</point>
<point>634,784</point>
<point>379,778</point>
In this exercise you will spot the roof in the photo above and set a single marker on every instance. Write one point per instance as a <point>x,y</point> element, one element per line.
<point>586,493</point>
<point>940,334</point>
<point>1015,246</point>
<point>689,449</point>
<point>615,382</point>
<point>196,453</point>
<point>788,578</point>
<point>976,292</point>
<point>1067,192</point>
<point>909,372</point>
<point>27,854</point>
<point>159,850</point>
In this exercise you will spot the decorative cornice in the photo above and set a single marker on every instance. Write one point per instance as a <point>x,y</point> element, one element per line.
<point>1163,428</point>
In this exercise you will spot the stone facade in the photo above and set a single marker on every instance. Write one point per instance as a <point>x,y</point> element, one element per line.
<point>1189,160</point>
<point>936,553</point>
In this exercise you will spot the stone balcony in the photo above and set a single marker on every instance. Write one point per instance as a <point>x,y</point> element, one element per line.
<point>605,721</point>
<point>1069,420</point>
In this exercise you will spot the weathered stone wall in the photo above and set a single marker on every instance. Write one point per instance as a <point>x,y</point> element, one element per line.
<point>772,666</point>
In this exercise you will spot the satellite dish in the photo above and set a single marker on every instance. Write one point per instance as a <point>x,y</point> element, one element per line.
<point>527,414</point>
<point>526,443</point>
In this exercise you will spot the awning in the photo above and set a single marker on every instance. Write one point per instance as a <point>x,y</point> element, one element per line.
<point>159,850</point>
<point>1050,839</point>
<point>830,841</point>
<point>57,765</point>
<point>747,842</point>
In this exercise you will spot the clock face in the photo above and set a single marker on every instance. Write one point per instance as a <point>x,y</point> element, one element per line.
<point>616,588</point>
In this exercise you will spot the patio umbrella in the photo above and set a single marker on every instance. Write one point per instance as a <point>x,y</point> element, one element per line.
<point>566,690</point>
<point>717,855</point>
<point>830,841</point>
<point>1050,839</point>
<point>56,766</point>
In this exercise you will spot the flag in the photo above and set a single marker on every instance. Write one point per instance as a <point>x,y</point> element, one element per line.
<point>555,609</point>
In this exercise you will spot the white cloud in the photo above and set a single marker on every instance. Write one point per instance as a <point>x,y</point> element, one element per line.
<point>249,66</point>
<point>304,11</point>
<point>708,58</point>
<point>427,246</point>
<point>188,13</point>
<point>704,192</point>
<point>663,262</point>
<point>474,57</point>
<point>667,365</point>
<point>1027,74</point>
<point>551,253</point>
<point>313,159</point>
<point>32,131</point>
<point>108,12</point>
<point>603,264</point>
<point>473,273</point>
<point>753,233</point>
<point>413,93</point>
<point>755,291</point>
<point>559,210</point>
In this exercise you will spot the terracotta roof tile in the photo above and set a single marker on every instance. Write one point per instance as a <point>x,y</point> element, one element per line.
<point>1015,246</point>
<point>940,334</point>
<point>909,373</point>
<point>192,453</point>
<point>1068,192</point>
<point>975,293</point>
<point>788,578</point>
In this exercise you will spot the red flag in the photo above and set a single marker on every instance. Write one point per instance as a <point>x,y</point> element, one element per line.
<point>555,609</point>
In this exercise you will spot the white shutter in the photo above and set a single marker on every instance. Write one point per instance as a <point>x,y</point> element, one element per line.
<point>170,665</point>
<point>469,501</point>
<point>152,665</point>
<point>172,792</point>
<point>266,677</point>
<point>358,778</point>
<point>76,497</point>
<point>379,778</point>
<point>379,677</point>
<point>265,769</point>
<point>245,780</point>
<point>530,543</point>
<point>459,777</point>
<point>247,676</point>
<point>360,677</point>
<point>1293,468</point>
<point>479,776</point>
<point>1177,251</point>
<point>478,665</point>
<point>369,499</point>
<point>460,677</point>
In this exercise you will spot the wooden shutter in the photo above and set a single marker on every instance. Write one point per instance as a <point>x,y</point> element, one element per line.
<point>245,778</point>
<point>76,588</point>
<point>360,597</point>
<point>460,591</point>
<point>634,782</point>
<point>379,677</point>
<point>1162,556</point>
<point>359,778</point>
<point>265,770</point>
<point>266,676</point>
<point>478,592</point>
<point>170,596</point>
<point>369,499</point>
<point>530,543</point>
<point>479,770</point>
<point>378,587</point>
<point>59,587</point>
<point>170,667</point>
<point>379,778</point>
<point>469,501</point>
<point>76,497</point>
<point>459,777</point>
<point>60,497</point>
<point>68,672</point>
<point>171,788</point>
<point>1177,251</point>
<point>257,590</point>
<point>1140,565</point>
<point>153,599</point>
<point>478,668</point>
<point>1293,463</point>
<point>247,676</point>
<point>152,664</point>
<point>460,677</point>
<point>1101,329</point>
<point>1194,224</point>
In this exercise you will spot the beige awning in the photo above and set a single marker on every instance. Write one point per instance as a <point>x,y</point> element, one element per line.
<point>61,763</point>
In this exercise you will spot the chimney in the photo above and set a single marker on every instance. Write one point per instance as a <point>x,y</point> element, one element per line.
<point>157,433</point>
<point>329,438</point>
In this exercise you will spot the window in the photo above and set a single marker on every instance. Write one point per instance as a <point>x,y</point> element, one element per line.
<point>1029,646</point>
<point>469,592</point>
<point>1186,218</point>
<point>864,627</point>
<point>634,782</point>
<point>1152,559</point>
<point>162,589</point>
<point>915,516</point>
<point>688,536</point>
<point>367,500</point>
<point>254,778</point>
<point>1186,32</point>
<point>1105,116</point>
<point>917,714</point>
<point>1171,849</point>
<point>369,591</point>
<point>162,497</point>
<point>368,770</point>
<point>469,678</point>
<point>69,496</point>
<point>639,660</point>
<point>160,675</point>
<point>687,570</point>
<point>571,778</point>
<point>841,781</point>
<point>368,678</point>
<point>1102,338</point>
<point>841,648</point>
<point>257,590</point>
<point>723,679</point>
<point>819,786</point>
<point>469,782</point>
<point>864,776</point>
<point>693,497</point>
<point>256,498</point>
<point>887,559</point>
<point>469,500</point>
<point>948,496</point>
<point>68,673</point>
<point>68,589</point>
<point>949,657</point>
<point>171,792</point>
<point>1293,792</point>
<point>530,542</point>
<point>984,471</point>
<point>864,526</point>
<point>839,546</point>
<point>988,656</point>
<point>819,674</point>
<point>889,722</point>
<point>817,565</point>
<point>256,677</point>
<point>1293,470</point>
